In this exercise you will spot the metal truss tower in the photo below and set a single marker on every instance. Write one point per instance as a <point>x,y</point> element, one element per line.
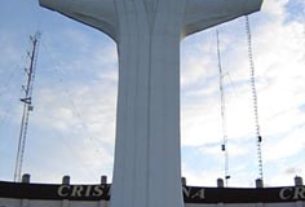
<point>27,105</point>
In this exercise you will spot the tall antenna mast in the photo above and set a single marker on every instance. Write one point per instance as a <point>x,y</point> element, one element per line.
<point>223,115</point>
<point>259,138</point>
<point>27,105</point>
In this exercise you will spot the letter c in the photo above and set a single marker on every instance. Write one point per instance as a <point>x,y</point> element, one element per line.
<point>63,191</point>
<point>286,193</point>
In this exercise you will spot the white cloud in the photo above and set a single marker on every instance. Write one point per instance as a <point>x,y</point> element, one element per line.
<point>288,145</point>
<point>233,149</point>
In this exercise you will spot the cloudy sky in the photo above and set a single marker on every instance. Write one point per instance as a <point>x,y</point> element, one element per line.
<point>71,130</point>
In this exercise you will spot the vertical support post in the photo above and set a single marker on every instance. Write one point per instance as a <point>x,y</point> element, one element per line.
<point>259,183</point>
<point>183,181</point>
<point>298,181</point>
<point>66,180</point>
<point>220,183</point>
<point>26,178</point>
<point>103,179</point>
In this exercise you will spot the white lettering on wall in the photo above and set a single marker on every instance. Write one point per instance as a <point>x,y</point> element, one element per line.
<point>199,194</point>
<point>192,193</point>
<point>81,191</point>
<point>88,190</point>
<point>63,191</point>
<point>98,191</point>
<point>296,193</point>
<point>299,193</point>
<point>77,191</point>
<point>187,191</point>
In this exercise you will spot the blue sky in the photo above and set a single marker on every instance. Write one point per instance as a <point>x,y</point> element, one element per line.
<point>71,130</point>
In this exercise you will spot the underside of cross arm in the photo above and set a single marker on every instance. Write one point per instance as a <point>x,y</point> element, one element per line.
<point>99,14</point>
<point>202,14</point>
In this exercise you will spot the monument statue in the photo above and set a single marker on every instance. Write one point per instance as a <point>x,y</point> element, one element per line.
<point>147,167</point>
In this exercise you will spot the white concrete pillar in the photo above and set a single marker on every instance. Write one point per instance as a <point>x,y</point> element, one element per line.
<point>147,167</point>
<point>147,152</point>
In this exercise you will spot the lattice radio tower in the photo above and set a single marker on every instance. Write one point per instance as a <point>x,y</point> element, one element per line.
<point>27,105</point>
